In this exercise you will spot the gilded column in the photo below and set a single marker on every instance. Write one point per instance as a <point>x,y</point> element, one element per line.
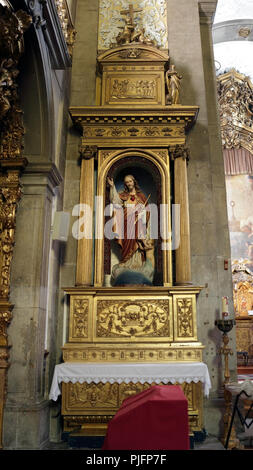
<point>183,254</point>
<point>84,268</point>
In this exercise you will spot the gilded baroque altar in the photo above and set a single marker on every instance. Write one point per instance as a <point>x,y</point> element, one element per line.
<point>137,128</point>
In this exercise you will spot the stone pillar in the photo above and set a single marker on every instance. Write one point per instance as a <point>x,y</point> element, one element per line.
<point>26,418</point>
<point>84,267</point>
<point>183,253</point>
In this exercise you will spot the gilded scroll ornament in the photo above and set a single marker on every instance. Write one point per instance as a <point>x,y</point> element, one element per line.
<point>140,131</point>
<point>93,395</point>
<point>127,319</point>
<point>80,318</point>
<point>5,319</point>
<point>235,97</point>
<point>185,317</point>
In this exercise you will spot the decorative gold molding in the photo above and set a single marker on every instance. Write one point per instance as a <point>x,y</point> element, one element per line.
<point>182,352</point>
<point>235,97</point>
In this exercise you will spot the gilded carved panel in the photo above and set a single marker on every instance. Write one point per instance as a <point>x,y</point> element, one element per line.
<point>80,313</point>
<point>90,396</point>
<point>184,318</point>
<point>126,88</point>
<point>96,403</point>
<point>106,395</point>
<point>134,319</point>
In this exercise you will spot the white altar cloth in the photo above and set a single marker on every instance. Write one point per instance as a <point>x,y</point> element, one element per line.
<point>166,373</point>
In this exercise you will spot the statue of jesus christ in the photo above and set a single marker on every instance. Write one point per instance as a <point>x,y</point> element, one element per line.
<point>132,233</point>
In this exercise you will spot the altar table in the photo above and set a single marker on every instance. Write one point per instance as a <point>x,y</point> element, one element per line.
<point>179,372</point>
<point>155,419</point>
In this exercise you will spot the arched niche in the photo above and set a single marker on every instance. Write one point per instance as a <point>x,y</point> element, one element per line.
<point>152,173</point>
<point>37,99</point>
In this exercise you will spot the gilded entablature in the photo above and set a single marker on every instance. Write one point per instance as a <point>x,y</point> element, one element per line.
<point>107,126</point>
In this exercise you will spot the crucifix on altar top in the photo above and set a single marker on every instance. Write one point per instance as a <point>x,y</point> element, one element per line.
<point>131,32</point>
<point>130,12</point>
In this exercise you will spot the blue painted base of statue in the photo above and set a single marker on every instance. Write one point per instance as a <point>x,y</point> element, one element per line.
<point>141,276</point>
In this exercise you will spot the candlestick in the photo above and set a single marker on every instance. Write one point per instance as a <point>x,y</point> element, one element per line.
<point>225,312</point>
<point>225,326</point>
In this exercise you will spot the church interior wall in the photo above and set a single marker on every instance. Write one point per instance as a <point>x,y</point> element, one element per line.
<point>51,182</point>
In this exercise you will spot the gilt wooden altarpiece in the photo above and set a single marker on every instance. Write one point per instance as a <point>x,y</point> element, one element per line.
<point>135,129</point>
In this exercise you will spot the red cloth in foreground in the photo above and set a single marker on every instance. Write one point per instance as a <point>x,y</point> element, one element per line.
<point>156,419</point>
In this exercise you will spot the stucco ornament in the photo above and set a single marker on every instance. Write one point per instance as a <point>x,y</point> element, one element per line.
<point>152,17</point>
